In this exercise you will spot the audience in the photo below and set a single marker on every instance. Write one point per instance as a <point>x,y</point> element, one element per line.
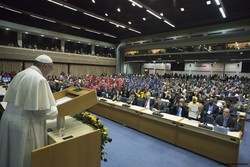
<point>174,94</point>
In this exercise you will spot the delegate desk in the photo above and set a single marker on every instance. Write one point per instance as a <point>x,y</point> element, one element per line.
<point>218,146</point>
<point>116,112</point>
<point>164,128</point>
<point>139,118</point>
<point>242,119</point>
<point>182,132</point>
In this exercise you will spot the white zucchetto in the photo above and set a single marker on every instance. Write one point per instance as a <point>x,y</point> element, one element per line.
<point>44,59</point>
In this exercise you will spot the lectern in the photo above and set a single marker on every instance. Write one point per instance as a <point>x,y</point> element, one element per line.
<point>78,144</point>
<point>72,101</point>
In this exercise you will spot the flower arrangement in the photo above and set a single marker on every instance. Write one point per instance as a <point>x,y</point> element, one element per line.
<point>92,120</point>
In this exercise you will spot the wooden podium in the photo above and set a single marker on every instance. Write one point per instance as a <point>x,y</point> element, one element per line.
<point>79,144</point>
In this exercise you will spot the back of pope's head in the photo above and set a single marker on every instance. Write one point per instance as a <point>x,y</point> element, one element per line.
<point>44,63</point>
<point>44,59</point>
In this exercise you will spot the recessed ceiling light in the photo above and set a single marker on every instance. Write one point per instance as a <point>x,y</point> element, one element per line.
<point>7,29</point>
<point>42,35</point>
<point>68,40</point>
<point>89,44</point>
<point>144,18</point>
<point>79,42</point>
<point>129,22</point>
<point>161,14</point>
<point>222,12</point>
<point>92,31</point>
<point>106,14</point>
<point>60,4</point>
<point>217,2</point>
<point>76,27</point>
<point>118,9</point>
<point>209,2</point>
<point>94,16</point>
<point>93,1</point>
<point>26,32</point>
<point>56,38</point>
<point>241,53</point>
<point>97,45</point>
<point>154,14</point>
<point>182,9</point>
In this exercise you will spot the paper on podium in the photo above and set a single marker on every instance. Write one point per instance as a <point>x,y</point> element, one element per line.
<point>73,100</point>
<point>63,100</point>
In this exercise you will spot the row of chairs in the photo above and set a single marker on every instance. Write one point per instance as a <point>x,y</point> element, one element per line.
<point>209,119</point>
<point>139,101</point>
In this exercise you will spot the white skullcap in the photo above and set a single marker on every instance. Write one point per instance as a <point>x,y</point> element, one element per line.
<point>44,59</point>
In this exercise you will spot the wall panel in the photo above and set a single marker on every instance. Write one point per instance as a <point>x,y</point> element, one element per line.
<point>9,66</point>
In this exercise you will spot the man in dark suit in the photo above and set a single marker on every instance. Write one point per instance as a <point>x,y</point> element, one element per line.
<point>180,110</point>
<point>227,120</point>
<point>211,109</point>
<point>158,106</point>
<point>230,106</point>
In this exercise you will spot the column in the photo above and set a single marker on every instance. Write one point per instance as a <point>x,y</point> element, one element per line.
<point>62,46</point>
<point>224,66</point>
<point>211,71</point>
<point>93,49</point>
<point>20,39</point>
<point>154,68</point>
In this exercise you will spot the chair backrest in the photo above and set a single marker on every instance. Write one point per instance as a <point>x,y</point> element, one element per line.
<point>209,119</point>
<point>140,102</point>
<point>124,99</point>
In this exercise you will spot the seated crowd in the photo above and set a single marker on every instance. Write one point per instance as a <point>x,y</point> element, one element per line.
<point>211,99</point>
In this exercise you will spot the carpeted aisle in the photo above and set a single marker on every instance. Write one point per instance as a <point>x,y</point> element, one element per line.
<point>131,148</point>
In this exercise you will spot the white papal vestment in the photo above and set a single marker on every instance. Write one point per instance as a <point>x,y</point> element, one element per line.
<point>23,124</point>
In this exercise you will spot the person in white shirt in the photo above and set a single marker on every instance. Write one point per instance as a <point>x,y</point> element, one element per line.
<point>29,103</point>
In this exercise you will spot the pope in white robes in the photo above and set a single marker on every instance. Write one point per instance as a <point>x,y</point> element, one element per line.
<point>23,125</point>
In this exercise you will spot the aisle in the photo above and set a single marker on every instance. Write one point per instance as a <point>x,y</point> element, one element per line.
<point>131,148</point>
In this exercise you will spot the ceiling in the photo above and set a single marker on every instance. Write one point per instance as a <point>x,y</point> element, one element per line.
<point>196,13</point>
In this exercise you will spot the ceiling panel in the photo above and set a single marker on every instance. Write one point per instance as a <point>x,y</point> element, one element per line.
<point>197,13</point>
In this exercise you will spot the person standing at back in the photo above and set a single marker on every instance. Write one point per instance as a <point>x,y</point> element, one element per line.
<point>29,103</point>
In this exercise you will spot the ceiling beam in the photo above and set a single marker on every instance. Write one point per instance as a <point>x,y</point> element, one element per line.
<point>205,29</point>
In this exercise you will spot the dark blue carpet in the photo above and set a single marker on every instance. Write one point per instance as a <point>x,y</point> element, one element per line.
<point>131,148</point>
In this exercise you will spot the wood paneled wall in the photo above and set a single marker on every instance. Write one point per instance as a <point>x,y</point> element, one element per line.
<point>58,68</point>
<point>78,70</point>
<point>9,66</point>
<point>75,70</point>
